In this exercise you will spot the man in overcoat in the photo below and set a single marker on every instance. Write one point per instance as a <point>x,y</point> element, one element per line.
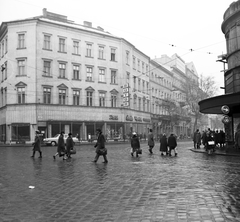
<point>100,147</point>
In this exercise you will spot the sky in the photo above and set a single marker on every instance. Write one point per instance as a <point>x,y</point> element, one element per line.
<point>190,28</point>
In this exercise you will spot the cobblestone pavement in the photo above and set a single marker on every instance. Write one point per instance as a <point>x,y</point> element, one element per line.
<point>192,187</point>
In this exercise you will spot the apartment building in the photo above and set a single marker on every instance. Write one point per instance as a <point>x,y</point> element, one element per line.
<point>58,75</point>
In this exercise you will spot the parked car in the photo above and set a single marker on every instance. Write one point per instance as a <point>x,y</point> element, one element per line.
<point>53,140</point>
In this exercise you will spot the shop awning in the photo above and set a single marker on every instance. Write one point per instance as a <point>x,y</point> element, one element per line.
<point>213,105</point>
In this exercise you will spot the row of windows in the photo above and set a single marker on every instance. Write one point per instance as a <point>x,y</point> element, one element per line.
<point>3,47</point>
<point>102,52</point>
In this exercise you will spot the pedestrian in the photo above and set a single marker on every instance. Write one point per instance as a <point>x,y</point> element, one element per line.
<point>221,139</point>
<point>237,137</point>
<point>61,151</point>
<point>37,144</point>
<point>204,138</point>
<point>151,142</point>
<point>172,143</point>
<point>135,144</point>
<point>69,145</point>
<point>100,145</point>
<point>210,144</point>
<point>163,144</point>
<point>197,139</point>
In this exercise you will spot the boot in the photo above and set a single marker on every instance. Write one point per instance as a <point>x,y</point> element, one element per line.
<point>40,153</point>
<point>33,154</point>
<point>105,159</point>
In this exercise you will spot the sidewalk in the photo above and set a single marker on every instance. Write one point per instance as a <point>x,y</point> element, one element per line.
<point>225,152</point>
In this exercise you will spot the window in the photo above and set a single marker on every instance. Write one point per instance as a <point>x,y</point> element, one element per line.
<point>101,75</point>
<point>127,57</point>
<point>76,47</point>
<point>147,70</point>
<point>76,69</point>
<point>6,45</point>
<point>143,67</point>
<point>143,86</point>
<point>139,84</point>
<point>101,52</point>
<point>21,41</point>
<point>144,105</point>
<point>21,67</point>
<point>89,50</point>
<point>101,99</point>
<point>138,65</point>
<point>3,48</point>
<point>21,95</point>
<point>135,102</point>
<point>47,42</point>
<point>134,62</point>
<point>62,70</point>
<point>76,97</point>
<point>113,76</point>
<point>62,96</point>
<point>139,104</point>
<point>134,83</point>
<point>89,98</point>
<point>128,77</point>
<point>113,54</point>
<point>89,74</point>
<point>61,45</point>
<point>47,68</point>
<point>113,100</point>
<point>46,95</point>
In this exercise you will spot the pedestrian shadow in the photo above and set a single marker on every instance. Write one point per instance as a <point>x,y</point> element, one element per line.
<point>101,173</point>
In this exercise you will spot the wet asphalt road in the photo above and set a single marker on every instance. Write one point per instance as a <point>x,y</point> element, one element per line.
<point>190,187</point>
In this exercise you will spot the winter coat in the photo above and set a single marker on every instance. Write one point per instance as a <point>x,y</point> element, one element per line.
<point>163,144</point>
<point>100,142</point>
<point>69,144</point>
<point>151,142</point>
<point>237,139</point>
<point>37,144</point>
<point>172,142</point>
<point>135,144</point>
<point>61,144</point>
<point>198,138</point>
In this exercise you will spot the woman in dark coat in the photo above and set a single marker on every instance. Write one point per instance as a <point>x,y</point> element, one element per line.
<point>150,141</point>
<point>172,143</point>
<point>61,147</point>
<point>37,145</point>
<point>210,144</point>
<point>100,145</point>
<point>135,144</point>
<point>163,144</point>
<point>69,145</point>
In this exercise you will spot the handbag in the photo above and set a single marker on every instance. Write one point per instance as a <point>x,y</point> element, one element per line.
<point>139,151</point>
<point>211,143</point>
<point>73,151</point>
<point>102,151</point>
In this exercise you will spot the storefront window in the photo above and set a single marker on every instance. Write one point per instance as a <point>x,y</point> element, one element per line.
<point>21,132</point>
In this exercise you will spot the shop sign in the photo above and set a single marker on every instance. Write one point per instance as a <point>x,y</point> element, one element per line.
<point>112,117</point>
<point>138,119</point>
<point>146,120</point>
<point>126,95</point>
<point>225,109</point>
<point>129,118</point>
<point>226,119</point>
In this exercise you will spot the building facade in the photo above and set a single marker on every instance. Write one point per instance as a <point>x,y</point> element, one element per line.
<point>57,75</point>
<point>228,104</point>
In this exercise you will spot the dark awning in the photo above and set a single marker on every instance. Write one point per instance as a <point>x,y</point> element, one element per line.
<point>213,105</point>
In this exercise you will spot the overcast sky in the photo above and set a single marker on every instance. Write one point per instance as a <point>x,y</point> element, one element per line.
<point>190,28</point>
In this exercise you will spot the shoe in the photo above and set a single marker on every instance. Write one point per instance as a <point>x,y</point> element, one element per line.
<point>137,155</point>
<point>54,157</point>
<point>94,161</point>
<point>175,154</point>
<point>170,154</point>
<point>161,154</point>
<point>32,156</point>
<point>105,161</point>
<point>132,154</point>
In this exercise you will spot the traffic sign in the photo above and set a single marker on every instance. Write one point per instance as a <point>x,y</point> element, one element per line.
<point>226,119</point>
<point>225,109</point>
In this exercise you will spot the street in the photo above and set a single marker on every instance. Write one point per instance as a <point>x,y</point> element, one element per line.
<point>189,187</point>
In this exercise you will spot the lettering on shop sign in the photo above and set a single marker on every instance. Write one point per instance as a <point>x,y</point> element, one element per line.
<point>129,118</point>
<point>138,119</point>
<point>112,117</point>
<point>146,120</point>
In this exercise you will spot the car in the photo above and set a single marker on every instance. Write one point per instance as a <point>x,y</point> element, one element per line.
<point>52,141</point>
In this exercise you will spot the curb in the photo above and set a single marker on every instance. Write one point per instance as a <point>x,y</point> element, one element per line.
<point>216,153</point>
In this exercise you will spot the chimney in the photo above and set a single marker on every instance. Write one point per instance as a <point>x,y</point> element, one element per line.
<point>88,24</point>
<point>44,12</point>
<point>100,28</point>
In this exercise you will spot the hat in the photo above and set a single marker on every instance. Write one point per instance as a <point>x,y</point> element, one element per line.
<point>37,131</point>
<point>70,134</point>
<point>98,130</point>
<point>134,133</point>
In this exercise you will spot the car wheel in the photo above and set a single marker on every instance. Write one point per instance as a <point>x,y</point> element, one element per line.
<point>53,143</point>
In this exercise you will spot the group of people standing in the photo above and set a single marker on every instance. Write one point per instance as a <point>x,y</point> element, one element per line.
<point>166,144</point>
<point>209,139</point>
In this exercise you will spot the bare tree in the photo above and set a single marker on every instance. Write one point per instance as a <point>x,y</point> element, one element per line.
<point>197,91</point>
